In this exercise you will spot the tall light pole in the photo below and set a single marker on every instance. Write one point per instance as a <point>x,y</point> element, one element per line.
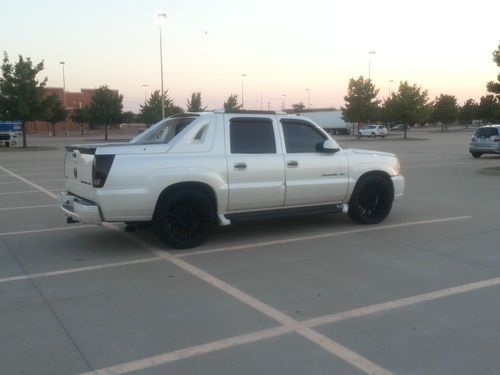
<point>242,92</point>
<point>145,91</point>
<point>283,102</point>
<point>162,19</point>
<point>390,82</point>
<point>308,98</point>
<point>64,83</point>
<point>370,63</point>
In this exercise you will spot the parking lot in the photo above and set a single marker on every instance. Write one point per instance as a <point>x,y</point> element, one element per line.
<point>417,294</point>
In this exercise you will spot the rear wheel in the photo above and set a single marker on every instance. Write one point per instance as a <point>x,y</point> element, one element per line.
<point>373,135</point>
<point>372,200</point>
<point>476,154</point>
<point>184,218</point>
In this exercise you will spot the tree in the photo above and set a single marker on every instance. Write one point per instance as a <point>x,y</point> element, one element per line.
<point>361,103</point>
<point>468,111</point>
<point>81,116</point>
<point>128,117</point>
<point>299,107</point>
<point>445,110</point>
<point>54,111</point>
<point>194,105</point>
<point>494,87</point>
<point>105,108</point>
<point>21,94</point>
<point>489,109</point>
<point>408,105</point>
<point>150,112</point>
<point>232,103</point>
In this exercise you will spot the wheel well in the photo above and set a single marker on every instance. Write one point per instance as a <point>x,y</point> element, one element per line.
<point>200,186</point>
<point>382,174</point>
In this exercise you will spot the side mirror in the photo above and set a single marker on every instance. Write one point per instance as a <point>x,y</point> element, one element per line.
<point>329,146</point>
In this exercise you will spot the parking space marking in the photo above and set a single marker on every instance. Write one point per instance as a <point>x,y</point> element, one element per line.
<point>79,269</point>
<point>21,192</point>
<point>31,231</point>
<point>322,235</point>
<point>33,184</point>
<point>28,207</point>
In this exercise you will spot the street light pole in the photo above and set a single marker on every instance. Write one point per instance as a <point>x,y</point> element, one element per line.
<point>64,83</point>
<point>370,62</point>
<point>390,82</point>
<point>283,102</point>
<point>162,18</point>
<point>308,98</point>
<point>145,91</point>
<point>242,92</point>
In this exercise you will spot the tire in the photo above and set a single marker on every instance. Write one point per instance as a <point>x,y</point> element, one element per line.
<point>184,218</point>
<point>371,200</point>
<point>373,135</point>
<point>476,154</point>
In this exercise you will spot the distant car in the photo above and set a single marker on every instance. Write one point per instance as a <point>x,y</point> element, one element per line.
<point>373,131</point>
<point>399,127</point>
<point>486,140</point>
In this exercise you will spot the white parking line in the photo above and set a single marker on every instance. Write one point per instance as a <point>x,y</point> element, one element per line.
<point>79,269</point>
<point>36,186</point>
<point>27,207</point>
<point>25,192</point>
<point>318,236</point>
<point>79,226</point>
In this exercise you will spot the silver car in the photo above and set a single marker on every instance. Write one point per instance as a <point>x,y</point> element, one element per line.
<point>486,140</point>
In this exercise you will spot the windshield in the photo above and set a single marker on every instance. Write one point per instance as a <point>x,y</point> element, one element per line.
<point>163,131</point>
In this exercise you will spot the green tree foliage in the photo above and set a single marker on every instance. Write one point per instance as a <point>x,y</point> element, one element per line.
<point>128,117</point>
<point>408,105</point>
<point>21,94</point>
<point>445,110</point>
<point>54,111</point>
<point>232,103</point>
<point>105,108</point>
<point>194,104</point>
<point>494,87</point>
<point>150,112</point>
<point>361,103</point>
<point>489,109</point>
<point>298,107</point>
<point>468,111</point>
<point>81,116</point>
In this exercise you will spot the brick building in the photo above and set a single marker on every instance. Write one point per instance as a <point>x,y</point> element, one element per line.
<point>73,100</point>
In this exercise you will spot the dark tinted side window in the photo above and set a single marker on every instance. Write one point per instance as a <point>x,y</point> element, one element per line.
<point>301,137</point>
<point>486,132</point>
<point>252,136</point>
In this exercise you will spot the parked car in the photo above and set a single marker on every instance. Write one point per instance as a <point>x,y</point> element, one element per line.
<point>486,140</point>
<point>373,131</point>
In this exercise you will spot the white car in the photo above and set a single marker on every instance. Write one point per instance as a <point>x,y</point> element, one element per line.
<point>373,131</point>
<point>194,169</point>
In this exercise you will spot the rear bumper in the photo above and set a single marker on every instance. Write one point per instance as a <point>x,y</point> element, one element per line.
<point>80,209</point>
<point>485,149</point>
<point>399,186</point>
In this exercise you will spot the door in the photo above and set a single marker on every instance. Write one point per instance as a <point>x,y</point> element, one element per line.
<point>256,176</point>
<point>311,176</point>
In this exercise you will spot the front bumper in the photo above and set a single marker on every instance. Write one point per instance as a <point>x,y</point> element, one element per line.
<point>399,186</point>
<point>79,209</point>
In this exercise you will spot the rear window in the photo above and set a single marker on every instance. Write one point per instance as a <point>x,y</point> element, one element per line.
<point>486,132</point>
<point>164,131</point>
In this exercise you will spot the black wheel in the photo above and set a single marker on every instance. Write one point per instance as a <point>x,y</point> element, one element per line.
<point>184,218</point>
<point>373,135</point>
<point>476,154</point>
<point>371,200</point>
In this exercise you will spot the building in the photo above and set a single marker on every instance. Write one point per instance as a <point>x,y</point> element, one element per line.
<point>329,119</point>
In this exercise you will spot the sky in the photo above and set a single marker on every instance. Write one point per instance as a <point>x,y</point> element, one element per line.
<point>289,51</point>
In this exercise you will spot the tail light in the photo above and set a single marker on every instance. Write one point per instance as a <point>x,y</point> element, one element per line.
<point>100,169</point>
<point>497,139</point>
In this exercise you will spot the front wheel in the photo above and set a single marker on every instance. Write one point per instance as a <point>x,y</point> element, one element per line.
<point>373,135</point>
<point>476,154</point>
<point>372,200</point>
<point>184,218</point>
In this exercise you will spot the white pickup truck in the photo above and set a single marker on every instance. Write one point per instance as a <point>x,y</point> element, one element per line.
<point>191,170</point>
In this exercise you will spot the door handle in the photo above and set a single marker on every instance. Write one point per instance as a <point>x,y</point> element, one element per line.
<point>292,164</point>
<point>240,166</point>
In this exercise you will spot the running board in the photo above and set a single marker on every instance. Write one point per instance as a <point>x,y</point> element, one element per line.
<point>285,212</point>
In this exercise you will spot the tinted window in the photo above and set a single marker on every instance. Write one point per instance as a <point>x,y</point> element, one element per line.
<point>252,136</point>
<point>486,132</point>
<point>301,137</point>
